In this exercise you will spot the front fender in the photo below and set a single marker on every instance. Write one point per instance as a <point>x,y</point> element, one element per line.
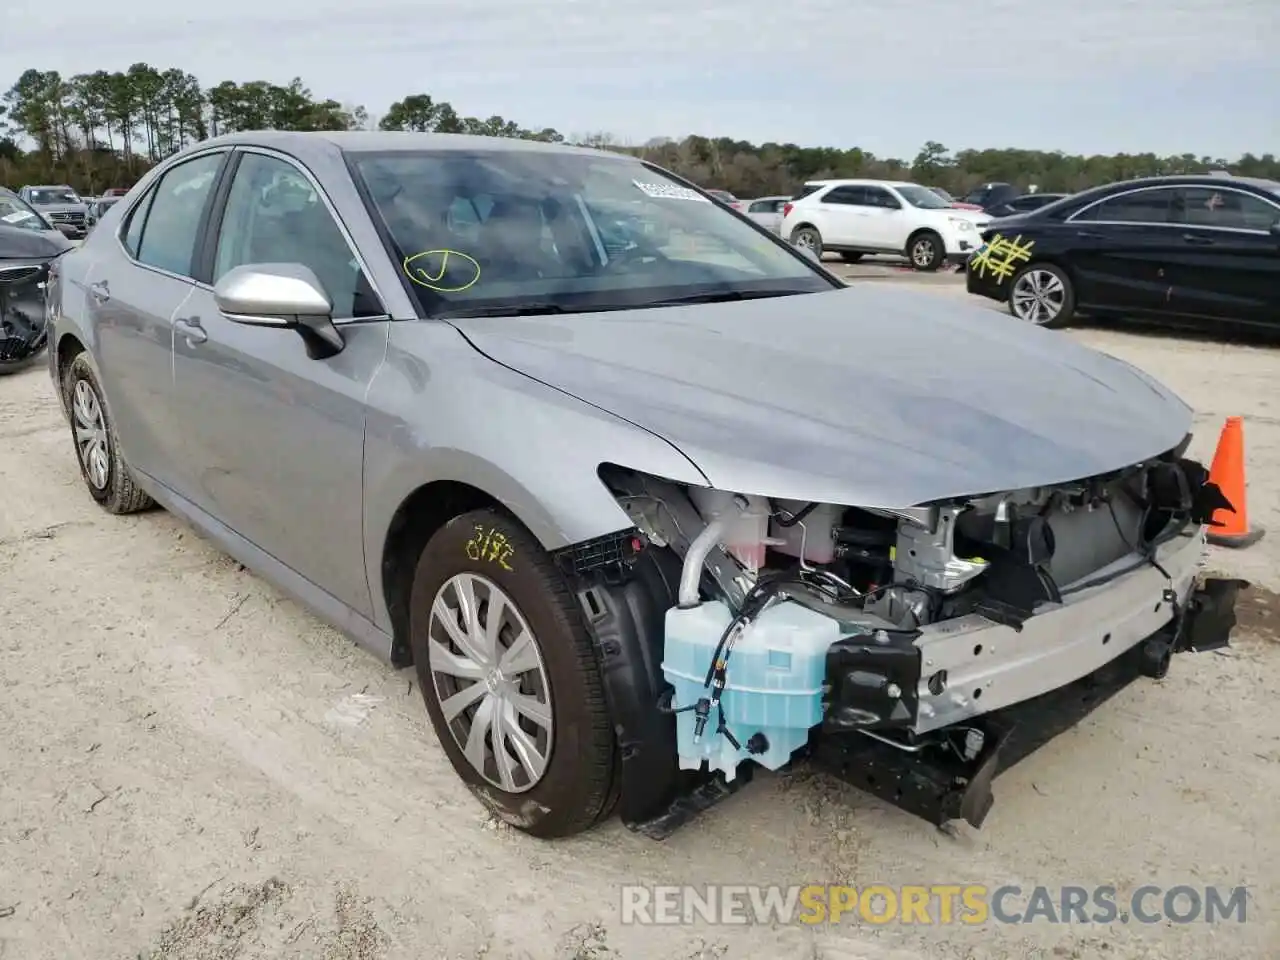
<point>459,416</point>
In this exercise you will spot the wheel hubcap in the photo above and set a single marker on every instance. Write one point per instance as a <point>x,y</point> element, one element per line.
<point>1038,296</point>
<point>490,682</point>
<point>91,434</point>
<point>922,253</point>
<point>805,240</point>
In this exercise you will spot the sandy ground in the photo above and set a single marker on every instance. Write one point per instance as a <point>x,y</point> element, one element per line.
<point>194,769</point>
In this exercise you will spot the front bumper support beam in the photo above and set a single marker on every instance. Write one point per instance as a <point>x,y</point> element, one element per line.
<point>932,780</point>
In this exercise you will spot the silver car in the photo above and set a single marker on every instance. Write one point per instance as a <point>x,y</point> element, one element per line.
<point>766,211</point>
<point>646,507</point>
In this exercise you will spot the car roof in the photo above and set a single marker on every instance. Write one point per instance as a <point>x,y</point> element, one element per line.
<point>303,144</point>
<point>1197,179</point>
<point>860,182</point>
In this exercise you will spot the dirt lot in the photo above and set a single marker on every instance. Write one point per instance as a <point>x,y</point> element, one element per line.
<point>194,769</point>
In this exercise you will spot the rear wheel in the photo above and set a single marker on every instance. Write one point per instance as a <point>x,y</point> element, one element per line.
<point>1042,294</point>
<point>102,466</point>
<point>509,676</point>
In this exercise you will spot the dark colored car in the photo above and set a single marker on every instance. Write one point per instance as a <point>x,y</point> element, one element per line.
<point>1023,204</point>
<point>1184,250</point>
<point>987,195</point>
<point>26,254</point>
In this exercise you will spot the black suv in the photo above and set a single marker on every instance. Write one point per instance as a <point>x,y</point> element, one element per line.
<point>1184,250</point>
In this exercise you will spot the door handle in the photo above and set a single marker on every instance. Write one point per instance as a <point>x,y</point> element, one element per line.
<point>100,291</point>
<point>1198,239</point>
<point>191,329</point>
<point>1089,235</point>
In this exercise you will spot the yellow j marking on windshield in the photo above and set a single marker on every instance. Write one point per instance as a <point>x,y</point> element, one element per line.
<point>429,273</point>
<point>1001,256</point>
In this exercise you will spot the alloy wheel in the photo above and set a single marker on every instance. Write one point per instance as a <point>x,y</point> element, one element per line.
<point>491,682</point>
<point>1038,296</point>
<point>805,240</point>
<point>92,443</point>
<point>922,252</point>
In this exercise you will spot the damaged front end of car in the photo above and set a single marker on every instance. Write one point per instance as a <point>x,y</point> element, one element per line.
<point>913,652</point>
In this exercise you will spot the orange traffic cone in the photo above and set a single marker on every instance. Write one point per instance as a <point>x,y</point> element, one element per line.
<point>1230,528</point>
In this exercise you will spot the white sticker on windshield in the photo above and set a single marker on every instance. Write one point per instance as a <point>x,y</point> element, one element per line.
<point>662,191</point>
<point>17,217</point>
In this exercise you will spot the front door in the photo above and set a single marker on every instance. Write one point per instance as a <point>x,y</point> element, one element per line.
<point>135,289</point>
<point>1228,263</point>
<point>887,223</point>
<point>1121,250</point>
<point>275,440</point>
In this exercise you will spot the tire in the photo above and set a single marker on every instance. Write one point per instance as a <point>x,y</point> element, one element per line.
<point>577,787</point>
<point>105,473</point>
<point>1042,294</point>
<point>809,237</point>
<point>850,257</point>
<point>26,363</point>
<point>925,251</point>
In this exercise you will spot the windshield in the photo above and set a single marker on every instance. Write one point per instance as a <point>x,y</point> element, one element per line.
<point>15,213</point>
<point>921,197</point>
<point>50,195</point>
<point>513,230</point>
<point>943,194</point>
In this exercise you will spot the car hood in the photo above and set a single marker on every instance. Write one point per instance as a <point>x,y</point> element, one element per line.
<point>18,243</point>
<point>867,396</point>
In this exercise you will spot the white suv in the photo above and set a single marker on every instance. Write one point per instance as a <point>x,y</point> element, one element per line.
<point>856,217</point>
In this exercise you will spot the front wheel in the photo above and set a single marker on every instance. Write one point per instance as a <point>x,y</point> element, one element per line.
<point>925,251</point>
<point>509,676</point>
<point>23,363</point>
<point>1041,294</point>
<point>808,238</point>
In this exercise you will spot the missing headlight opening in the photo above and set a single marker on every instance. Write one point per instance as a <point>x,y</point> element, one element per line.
<point>889,642</point>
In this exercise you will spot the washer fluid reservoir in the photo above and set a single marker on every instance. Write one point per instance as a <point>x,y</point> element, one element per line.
<point>773,683</point>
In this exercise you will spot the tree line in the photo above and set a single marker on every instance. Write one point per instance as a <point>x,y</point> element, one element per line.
<point>105,129</point>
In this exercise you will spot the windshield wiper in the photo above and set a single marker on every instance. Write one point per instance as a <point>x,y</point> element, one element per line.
<point>722,296</point>
<point>511,310</point>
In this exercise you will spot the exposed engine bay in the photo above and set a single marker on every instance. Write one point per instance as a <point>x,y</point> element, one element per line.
<point>998,555</point>
<point>798,620</point>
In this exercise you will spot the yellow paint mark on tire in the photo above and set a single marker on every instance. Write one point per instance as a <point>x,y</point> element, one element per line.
<point>490,545</point>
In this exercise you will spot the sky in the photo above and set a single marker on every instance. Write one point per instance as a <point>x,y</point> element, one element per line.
<point>1082,76</point>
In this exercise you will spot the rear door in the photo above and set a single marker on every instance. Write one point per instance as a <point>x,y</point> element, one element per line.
<point>842,217</point>
<point>139,284</point>
<point>1228,263</point>
<point>1122,247</point>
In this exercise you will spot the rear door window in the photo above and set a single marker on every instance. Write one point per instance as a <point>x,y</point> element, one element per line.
<point>847,196</point>
<point>1229,209</point>
<point>172,225</point>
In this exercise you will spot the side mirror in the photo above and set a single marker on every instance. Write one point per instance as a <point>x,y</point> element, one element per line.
<point>66,229</point>
<point>281,295</point>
